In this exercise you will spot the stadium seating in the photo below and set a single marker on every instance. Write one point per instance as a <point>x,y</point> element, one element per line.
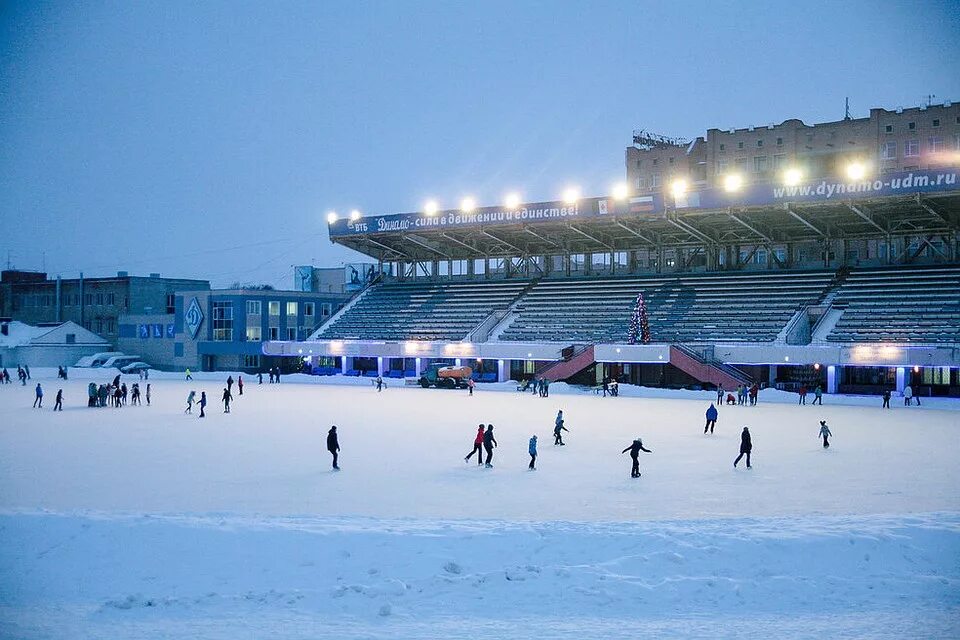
<point>905,304</point>
<point>742,307</point>
<point>422,311</point>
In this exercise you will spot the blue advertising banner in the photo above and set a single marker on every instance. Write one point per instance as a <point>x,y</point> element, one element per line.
<point>585,208</point>
<point>170,331</point>
<point>823,190</point>
<point>143,330</point>
<point>158,331</point>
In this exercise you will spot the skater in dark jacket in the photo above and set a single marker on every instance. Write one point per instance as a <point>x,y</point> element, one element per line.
<point>477,447</point>
<point>333,445</point>
<point>489,442</point>
<point>746,446</point>
<point>825,434</point>
<point>203,404</point>
<point>532,450</point>
<point>711,418</point>
<point>240,384</point>
<point>558,428</point>
<point>635,450</point>
<point>38,400</point>
<point>230,384</point>
<point>58,405</point>
<point>227,397</point>
<point>886,399</point>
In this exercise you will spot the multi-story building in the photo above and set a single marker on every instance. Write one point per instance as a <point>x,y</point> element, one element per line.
<point>884,142</point>
<point>223,329</point>
<point>93,303</point>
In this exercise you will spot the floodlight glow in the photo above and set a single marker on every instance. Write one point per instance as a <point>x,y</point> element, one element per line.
<point>916,369</point>
<point>678,187</point>
<point>354,215</point>
<point>468,204</point>
<point>512,201</point>
<point>621,191</point>
<point>571,195</point>
<point>732,182</point>
<point>856,171</point>
<point>816,366</point>
<point>331,217</point>
<point>792,177</point>
<point>431,207</point>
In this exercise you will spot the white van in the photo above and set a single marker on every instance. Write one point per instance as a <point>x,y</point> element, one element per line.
<point>97,359</point>
<point>116,362</point>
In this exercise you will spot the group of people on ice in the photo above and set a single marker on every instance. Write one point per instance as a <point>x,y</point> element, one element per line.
<point>484,440</point>
<point>538,386</point>
<point>745,394</point>
<point>115,394</point>
<point>23,374</point>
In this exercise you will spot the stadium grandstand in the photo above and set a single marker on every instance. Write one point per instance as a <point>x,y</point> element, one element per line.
<point>849,282</point>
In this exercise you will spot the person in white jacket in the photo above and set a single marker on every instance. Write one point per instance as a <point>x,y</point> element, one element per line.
<point>907,396</point>
<point>825,434</point>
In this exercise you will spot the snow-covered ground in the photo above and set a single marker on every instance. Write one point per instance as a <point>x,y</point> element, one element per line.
<point>145,522</point>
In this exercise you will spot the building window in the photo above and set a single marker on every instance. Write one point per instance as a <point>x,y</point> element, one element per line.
<point>99,325</point>
<point>99,299</point>
<point>911,148</point>
<point>956,142</point>
<point>671,160</point>
<point>760,257</point>
<point>655,161</point>
<point>251,362</point>
<point>111,325</point>
<point>760,164</point>
<point>291,333</point>
<point>325,309</point>
<point>779,142</point>
<point>779,161</point>
<point>171,303</point>
<point>291,309</point>
<point>110,298</point>
<point>639,163</point>
<point>308,309</point>
<point>654,180</point>
<point>274,333</point>
<point>274,308</point>
<point>253,307</point>
<point>759,143</point>
<point>888,128</point>
<point>254,334</point>
<point>641,183</point>
<point>739,145</point>
<point>721,165</point>
<point>723,147</point>
<point>911,125</point>
<point>223,321</point>
<point>936,144</point>
<point>888,151</point>
<point>936,122</point>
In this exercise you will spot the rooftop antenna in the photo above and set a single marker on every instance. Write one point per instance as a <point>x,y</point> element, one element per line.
<point>846,109</point>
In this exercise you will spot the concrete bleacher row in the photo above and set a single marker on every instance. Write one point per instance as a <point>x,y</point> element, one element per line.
<point>422,311</point>
<point>723,307</point>
<point>901,304</point>
<point>910,304</point>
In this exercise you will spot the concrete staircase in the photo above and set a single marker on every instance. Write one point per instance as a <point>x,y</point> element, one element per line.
<point>579,359</point>
<point>706,370</point>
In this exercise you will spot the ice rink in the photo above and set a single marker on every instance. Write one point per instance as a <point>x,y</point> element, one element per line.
<point>145,522</point>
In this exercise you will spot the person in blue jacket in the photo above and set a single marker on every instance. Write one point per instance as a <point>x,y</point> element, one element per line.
<point>533,453</point>
<point>711,418</point>
<point>38,401</point>
<point>203,404</point>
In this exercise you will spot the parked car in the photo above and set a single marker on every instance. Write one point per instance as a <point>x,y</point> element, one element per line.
<point>135,367</point>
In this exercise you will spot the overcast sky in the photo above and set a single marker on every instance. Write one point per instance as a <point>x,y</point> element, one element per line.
<point>210,141</point>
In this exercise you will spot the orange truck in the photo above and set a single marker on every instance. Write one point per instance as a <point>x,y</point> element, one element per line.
<point>446,375</point>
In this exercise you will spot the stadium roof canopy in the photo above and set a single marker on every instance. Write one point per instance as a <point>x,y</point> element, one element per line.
<point>920,203</point>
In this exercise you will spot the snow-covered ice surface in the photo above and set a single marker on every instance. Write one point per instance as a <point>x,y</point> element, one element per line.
<point>142,522</point>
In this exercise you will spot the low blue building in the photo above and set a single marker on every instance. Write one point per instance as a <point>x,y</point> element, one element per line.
<point>223,329</point>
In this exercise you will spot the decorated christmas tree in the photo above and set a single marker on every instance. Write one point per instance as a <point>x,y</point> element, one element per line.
<point>639,324</point>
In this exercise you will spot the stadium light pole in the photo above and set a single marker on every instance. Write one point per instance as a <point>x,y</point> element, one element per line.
<point>571,195</point>
<point>512,201</point>
<point>620,191</point>
<point>678,187</point>
<point>431,207</point>
<point>732,182</point>
<point>331,217</point>
<point>792,177</point>
<point>468,204</point>
<point>355,215</point>
<point>856,170</point>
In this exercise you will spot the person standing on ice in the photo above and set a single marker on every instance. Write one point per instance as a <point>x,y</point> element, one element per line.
<point>470,384</point>
<point>203,404</point>
<point>489,442</point>
<point>907,396</point>
<point>886,399</point>
<point>818,395</point>
<point>189,377</point>
<point>148,394</point>
<point>711,418</point>
<point>720,393</point>
<point>558,428</point>
<point>58,405</point>
<point>227,397</point>
<point>240,384</point>
<point>190,399</point>
<point>546,387</point>
<point>38,400</point>
<point>532,450</point>
<point>259,377</point>
<point>754,391</point>
<point>379,383</point>
<point>477,447</point>
<point>825,433</point>
<point>635,450</point>
<point>333,445</point>
<point>230,384</point>
<point>746,446</point>
<point>803,394</point>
